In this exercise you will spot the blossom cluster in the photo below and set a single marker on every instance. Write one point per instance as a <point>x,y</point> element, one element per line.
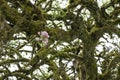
<point>44,36</point>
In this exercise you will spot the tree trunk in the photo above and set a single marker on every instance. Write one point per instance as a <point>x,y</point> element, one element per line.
<point>89,66</point>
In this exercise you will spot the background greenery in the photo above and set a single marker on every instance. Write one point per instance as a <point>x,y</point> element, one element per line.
<point>83,43</point>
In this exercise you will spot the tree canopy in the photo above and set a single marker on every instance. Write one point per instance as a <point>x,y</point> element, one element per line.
<point>59,39</point>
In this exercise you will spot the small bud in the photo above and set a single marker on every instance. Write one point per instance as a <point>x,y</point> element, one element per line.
<point>44,34</point>
<point>43,37</point>
<point>37,39</point>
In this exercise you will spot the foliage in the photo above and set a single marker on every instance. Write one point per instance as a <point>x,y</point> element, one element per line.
<point>59,39</point>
